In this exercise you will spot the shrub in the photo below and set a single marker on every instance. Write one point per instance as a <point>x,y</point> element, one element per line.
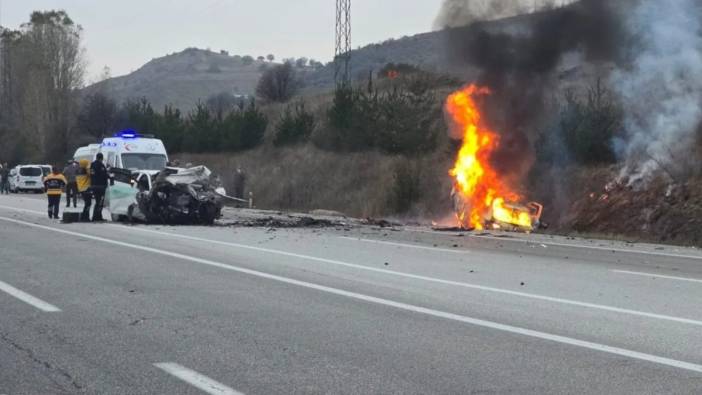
<point>295,126</point>
<point>399,121</point>
<point>253,126</point>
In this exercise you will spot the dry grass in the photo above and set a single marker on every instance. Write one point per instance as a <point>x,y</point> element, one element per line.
<point>357,184</point>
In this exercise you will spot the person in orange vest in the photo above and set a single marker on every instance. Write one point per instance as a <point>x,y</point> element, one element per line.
<point>54,184</point>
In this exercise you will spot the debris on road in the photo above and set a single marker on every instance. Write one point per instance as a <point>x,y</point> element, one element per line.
<point>289,221</point>
<point>380,222</point>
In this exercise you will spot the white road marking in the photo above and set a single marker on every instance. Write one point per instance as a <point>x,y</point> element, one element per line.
<point>24,210</point>
<point>27,298</point>
<point>429,279</point>
<point>694,280</point>
<point>504,239</point>
<point>386,302</point>
<point>555,244</point>
<point>390,243</point>
<point>195,379</point>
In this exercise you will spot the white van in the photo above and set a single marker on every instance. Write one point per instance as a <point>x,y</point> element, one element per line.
<point>135,152</point>
<point>27,178</point>
<point>46,169</point>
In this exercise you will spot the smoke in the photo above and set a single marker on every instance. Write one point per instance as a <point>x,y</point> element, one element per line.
<point>662,89</point>
<point>456,13</point>
<point>519,61</point>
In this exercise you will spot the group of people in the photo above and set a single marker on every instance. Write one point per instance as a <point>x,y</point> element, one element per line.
<point>4,179</point>
<point>90,180</point>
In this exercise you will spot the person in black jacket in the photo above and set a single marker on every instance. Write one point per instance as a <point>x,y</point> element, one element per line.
<point>98,183</point>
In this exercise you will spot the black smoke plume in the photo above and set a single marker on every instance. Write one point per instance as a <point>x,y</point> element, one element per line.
<point>519,59</point>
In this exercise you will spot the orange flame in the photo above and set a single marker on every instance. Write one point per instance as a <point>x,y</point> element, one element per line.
<point>479,187</point>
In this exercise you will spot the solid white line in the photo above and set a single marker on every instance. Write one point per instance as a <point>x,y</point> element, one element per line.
<point>195,379</point>
<point>555,244</point>
<point>429,279</point>
<point>386,302</point>
<point>27,298</point>
<point>390,243</point>
<point>23,210</point>
<point>694,280</point>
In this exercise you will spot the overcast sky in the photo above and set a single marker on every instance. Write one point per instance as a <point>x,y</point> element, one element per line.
<point>125,34</point>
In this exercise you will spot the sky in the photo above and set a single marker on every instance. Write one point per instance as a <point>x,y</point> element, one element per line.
<point>125,34</point>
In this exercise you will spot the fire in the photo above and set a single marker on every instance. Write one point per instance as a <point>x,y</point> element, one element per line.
<point>478,187</point>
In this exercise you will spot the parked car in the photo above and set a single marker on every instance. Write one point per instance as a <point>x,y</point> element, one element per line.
<point>46,169</point>
<point>27,178</point>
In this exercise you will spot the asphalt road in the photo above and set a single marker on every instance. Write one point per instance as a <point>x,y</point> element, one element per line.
<point>115,309</point>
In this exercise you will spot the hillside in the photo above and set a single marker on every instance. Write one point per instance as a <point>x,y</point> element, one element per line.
<point>183,78</point>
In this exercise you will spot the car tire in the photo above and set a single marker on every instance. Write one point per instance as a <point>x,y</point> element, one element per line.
<point>119,218</point>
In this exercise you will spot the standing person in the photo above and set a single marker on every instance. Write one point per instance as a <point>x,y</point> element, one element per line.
<point>83,185</point>
<point>54,184</point>
<point>70,173</point>
<point>98,184</point>
<point>239,183</point>
<point>4,179</point>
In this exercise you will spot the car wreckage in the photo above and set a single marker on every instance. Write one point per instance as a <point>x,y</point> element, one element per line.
<point>173,196</point>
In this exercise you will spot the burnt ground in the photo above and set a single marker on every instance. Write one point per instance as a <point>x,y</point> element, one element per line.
<point>660,211</point>
<point>252,218</point>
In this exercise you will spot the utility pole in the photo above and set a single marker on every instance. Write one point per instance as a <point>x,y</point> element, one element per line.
<point>342,55</point>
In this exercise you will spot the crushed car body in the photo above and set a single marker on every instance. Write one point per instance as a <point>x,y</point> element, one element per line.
<point>177,197</point>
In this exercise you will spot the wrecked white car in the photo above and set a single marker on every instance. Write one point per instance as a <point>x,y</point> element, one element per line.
<point>173,196</point>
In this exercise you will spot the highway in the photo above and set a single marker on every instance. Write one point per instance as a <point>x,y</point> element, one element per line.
<point>117,309</point>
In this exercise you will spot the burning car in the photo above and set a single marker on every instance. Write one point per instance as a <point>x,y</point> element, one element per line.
<point>481,196</point>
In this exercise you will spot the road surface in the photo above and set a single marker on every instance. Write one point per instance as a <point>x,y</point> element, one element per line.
<point>115,309</point>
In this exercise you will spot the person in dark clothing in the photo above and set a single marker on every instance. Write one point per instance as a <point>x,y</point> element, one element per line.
<point>70,173</point>
<point>239,183</point>
<point>4,179</point>
<point>98,184</point>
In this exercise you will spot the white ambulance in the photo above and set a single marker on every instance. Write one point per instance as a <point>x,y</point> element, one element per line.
<point>138,153</point>
<point>140,157</point>
<point>88,153</point>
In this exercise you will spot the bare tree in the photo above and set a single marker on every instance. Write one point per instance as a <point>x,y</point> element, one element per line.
<point>278,84</point>
<point>44,66</point>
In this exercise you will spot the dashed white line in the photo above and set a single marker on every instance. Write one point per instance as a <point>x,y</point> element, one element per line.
<point>390,303</point>
<point>196,379</point>
<point>643,274</point>
<point>27,298</point>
